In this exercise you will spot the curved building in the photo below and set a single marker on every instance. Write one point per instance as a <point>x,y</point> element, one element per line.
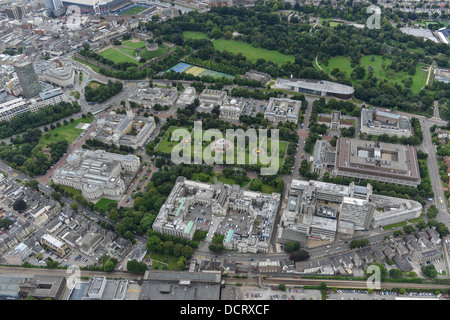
<point>87,6</point>
<point>96,173</point>
<point>62,75</point>
<point>316,87</point>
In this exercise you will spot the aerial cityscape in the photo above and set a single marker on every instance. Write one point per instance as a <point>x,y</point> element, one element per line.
<point>238,151</point>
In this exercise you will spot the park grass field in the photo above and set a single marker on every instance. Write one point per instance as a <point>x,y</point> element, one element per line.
<point>133,10</point>
<point>133,44</point>
<point>252,53</point>
<point>104,202</point>
<point>117,56</point>
<point>381,70</point>
<point>166,145</point>
<point>127,51</point>
<point>195,35</point>
<point>154,54</point>
<point>68,132</point>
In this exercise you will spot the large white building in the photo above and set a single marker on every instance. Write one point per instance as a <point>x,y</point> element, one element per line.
<point>232,109</point>
<point>211,98</point>
<point>320,210</point>
<point>376,122</point>
<point>60,73</point>
<point>124,130</point>
<point>228,207</point>
<point>96,173</point>
<point>148,97</point>
<point>282,109</point>
<point>13,108</point>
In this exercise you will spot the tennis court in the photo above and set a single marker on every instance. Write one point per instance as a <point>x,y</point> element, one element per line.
<point>180,67</point>
<point>198,71</point>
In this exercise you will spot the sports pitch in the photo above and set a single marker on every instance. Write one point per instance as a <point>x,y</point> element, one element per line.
<point>133,10</point>
<point>198,71</point>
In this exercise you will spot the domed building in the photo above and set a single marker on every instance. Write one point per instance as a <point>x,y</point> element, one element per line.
<point>96,173</point>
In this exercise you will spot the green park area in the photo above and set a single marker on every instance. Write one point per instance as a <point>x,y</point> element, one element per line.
<point>67,132</point>
<point>166,145</point>
<point>162,49</point>
<point>163,261</point>
<point>130,51</point>
<point>195,35</point>
<point>104,203</point>
<point>117,56</point>
<point>133,44</point>
<point>381,70</point>
<point>252,53</point>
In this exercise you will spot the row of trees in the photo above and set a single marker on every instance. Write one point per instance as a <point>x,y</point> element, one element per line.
<point>32,120</point>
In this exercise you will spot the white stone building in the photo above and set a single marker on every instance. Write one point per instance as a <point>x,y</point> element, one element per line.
<point>96,173</point>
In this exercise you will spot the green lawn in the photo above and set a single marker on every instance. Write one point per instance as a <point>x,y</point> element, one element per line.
<point>169,261</point>
<point>381,70</point>
<point>268,189</point>
<point>253,54</point>
<point>127,51</point>
<point>73,191</point>
<point>68,132</point>
<point>166,145</point>
<point>134,10</point>
<point>133,44</point>
<point>104,202</point>
<point>157,53</point>
<point>221,178</point>
<point>117,56</point>
<point>195,35</point>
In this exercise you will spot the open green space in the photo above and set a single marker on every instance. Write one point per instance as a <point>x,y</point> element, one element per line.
<point>104,203</point>
<point>154,54</point>
<point>67,132</point>
<point>252,53</point>
<point>195,35</point>
<point>160,260</point>
<point>395,225</point>
<point>73,191</point>
<point>116,56</point>
<point>231,181</point>
<point>127,51</point>
<point>381,70</point>
<point>134,10</point>
<point>268,189</point>
<point>133,44</point>
<point>166,145</point>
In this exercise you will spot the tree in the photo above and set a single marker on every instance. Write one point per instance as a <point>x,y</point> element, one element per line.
<point>256,185</point>
<point>19,205</point>
<point>33,184</point>
<point>136,266</point>
<point>282,287</point>
<point>429,271</point>
<point>291,246</point>
<point>74,207</point>
<point>408,229</point>
<point>108,266</point>
<point>382,269</point>
<point>432,212</point>
<point>299,255</point>
<point>181,263</point>
<point>55,195</point>
<point>395,273</point>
